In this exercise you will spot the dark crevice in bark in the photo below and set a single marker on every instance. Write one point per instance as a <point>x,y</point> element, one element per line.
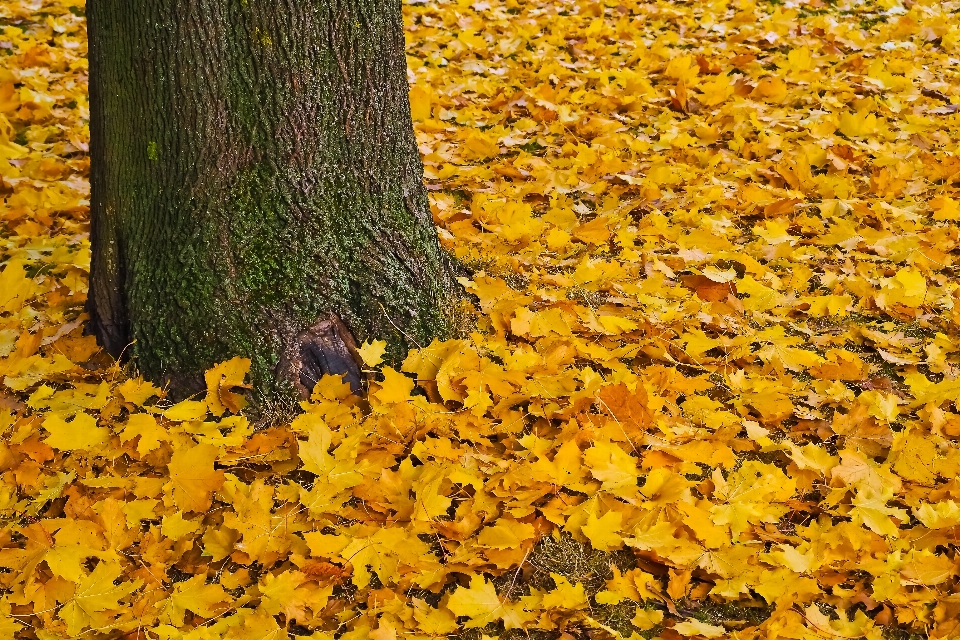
<point>255,174</point>
<point>326,348</point>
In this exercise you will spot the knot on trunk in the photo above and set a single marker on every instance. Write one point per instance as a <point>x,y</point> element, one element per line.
<point>326,348</point>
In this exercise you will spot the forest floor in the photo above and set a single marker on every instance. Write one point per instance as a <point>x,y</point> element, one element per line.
<point>713,388</point>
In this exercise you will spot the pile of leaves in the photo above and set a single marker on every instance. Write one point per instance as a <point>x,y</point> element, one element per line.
<point>713,387</point>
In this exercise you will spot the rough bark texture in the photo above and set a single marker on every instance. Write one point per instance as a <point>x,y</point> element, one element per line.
<point>256,188</point>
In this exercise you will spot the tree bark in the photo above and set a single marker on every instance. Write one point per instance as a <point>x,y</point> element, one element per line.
<point>257,189</point>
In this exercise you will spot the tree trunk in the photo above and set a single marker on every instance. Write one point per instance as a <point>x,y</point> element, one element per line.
<point>257,189</point>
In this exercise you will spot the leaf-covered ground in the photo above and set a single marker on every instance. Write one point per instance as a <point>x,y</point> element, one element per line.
<point>712,387</point>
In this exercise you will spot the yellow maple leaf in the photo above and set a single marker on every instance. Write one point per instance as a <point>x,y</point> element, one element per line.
<point>477,145</point>
<point>941,515</point>
<point>870,509</point>
<point>615,325</point>
<point>186,410</point>
<point>219,542</point>
<point>647,619</point>
<point>146,427</point>
<point>431,502</point>
<point>924,567</point>
<point>258,625</point>
<point>81,433</point>
<point>603,532</point>
<point>717,89</point>
<point>67,557</point>
<point>857,125</point>
<point>565,595</point>
<point>372,352</point>
<point>193,477</point>
<point>137,391</point>
<point>326,546</point>
<point>433,621</point>
<point>195,595</point>
<point>15,287</point>
<point>220,379</point>
<point>175,526</point>
<point>770,89</point>
<point>841,364</point>
<point>507,533</point>
<point>419,105</point>
<point>697,628</point>
<point>612,466</point>
<point>8,624</point>
<point>95,595</point>
<point>314,452</point>
<point>908,287</point>
<point>946,208</point>
<point>812,456</point>
<point>831,305</point>
<point>482,605</point>
<point>799,59</point>
<point>395,387</point>
<point>278,591</point>
<point>683,68</point>
<point>331,388</point>
<point>137,510</point>
<point>663,486</point>
<point>383,553</point>
<point>752,494</point>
